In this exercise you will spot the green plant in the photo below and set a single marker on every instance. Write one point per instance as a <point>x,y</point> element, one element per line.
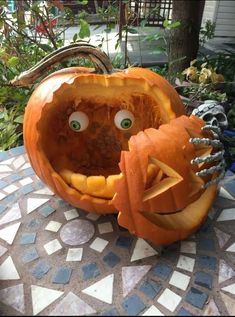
<point>207,32</point>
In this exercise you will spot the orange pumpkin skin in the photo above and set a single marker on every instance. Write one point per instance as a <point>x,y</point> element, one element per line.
<point>59,92</point>
<point>177,211</point>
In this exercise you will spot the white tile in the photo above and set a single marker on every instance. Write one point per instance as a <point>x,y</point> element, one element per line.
<point>186,263</point>
<point>5,168</point>
<point>7,162</point>
<point>142,250</point>
<point>33,203</point>
<point>43,297</point>
<point>10,189</point>
<point>229,303</point>
<point>26,181</point>
<point>93,216</point>
<point>8,270</point>
<point>2,196</point>
<point>71,214</point>
<point>102,290</point>
<point>12,214</point>
<point>2,175</point>
<point>26,165</point>
<point>153,311</point>
<point>99,244</point>
<point>188,247</point>
<point>105,227</point>
<point>169,299</point>
<point>72,305</point>
<point>52,246</point>
<point>53,226</point>
<point>8,233</point>
<point>74,254</point>
<point>44,191</point>
<point>223,193</point>
<point>19,161</point>
<point>179,280</point>
<point>131,275</point>
<point>227,214</point>
<point>14,297</point>
<point>231,248</point>
<point>230,289</point>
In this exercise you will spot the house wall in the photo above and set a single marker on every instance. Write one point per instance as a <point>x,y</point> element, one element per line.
<point>222,12</point>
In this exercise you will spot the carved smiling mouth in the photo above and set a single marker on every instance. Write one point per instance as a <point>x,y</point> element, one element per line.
<point>96,186</point>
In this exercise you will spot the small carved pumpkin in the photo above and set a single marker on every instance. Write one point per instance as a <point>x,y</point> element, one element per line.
<point>79,124</point>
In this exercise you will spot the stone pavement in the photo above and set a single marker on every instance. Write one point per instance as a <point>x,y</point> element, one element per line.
<point>59,260</point>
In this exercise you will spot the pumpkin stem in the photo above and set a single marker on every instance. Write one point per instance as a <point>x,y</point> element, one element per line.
<point>99,58</point>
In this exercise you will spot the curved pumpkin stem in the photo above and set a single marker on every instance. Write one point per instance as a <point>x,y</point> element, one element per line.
<point>100,60</point>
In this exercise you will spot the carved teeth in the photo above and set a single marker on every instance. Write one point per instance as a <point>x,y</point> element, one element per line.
<point>98,186</point>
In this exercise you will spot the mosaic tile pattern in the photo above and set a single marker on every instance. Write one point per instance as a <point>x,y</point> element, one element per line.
<point>57,260</point>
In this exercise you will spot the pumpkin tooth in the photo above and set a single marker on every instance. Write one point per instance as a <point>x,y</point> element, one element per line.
<point>95,183</point>
<point>79,181</point>
<point>110,184</point>
<point>66,175</point>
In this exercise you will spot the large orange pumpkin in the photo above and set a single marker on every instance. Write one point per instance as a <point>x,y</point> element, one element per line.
<point>79,124</point>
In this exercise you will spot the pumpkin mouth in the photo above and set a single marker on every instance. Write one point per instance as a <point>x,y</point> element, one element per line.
<point>96,186</point>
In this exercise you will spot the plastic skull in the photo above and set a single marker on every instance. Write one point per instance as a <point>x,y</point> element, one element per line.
<point>212,113</point>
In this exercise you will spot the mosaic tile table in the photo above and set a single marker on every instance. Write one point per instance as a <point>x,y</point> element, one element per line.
<point>46,269</point>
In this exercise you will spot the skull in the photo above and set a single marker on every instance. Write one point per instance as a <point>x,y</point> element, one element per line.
<point>212,113</point>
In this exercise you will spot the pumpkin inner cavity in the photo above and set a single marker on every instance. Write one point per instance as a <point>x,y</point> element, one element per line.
<point>94,152</point>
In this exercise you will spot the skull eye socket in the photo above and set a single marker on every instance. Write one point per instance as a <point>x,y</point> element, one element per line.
<point>207,117</point>
<point>221,117</point>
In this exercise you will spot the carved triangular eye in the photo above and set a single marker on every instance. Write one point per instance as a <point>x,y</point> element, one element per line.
<point>164,180</point>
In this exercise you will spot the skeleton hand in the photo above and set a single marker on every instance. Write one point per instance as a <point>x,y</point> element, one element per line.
<point>217,157</point>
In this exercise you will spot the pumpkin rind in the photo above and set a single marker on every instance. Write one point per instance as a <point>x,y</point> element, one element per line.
<point>174,213</point>
<point>37,114</point>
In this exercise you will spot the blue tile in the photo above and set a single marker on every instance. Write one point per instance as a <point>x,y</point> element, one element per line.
<point>230,187</point>
<point>40,270</point>
<point>62,275</point>
<point>150,288</point>
<point>10,199</point>
<point>30,255</point>
<point>110,312</point>
<point>34,224</point>
<point>133,305</point>
<point>28,171</point>
<point>162,270</point>
<point>206,227</point>
<point>184,312</point>
<point>28,238</point>
<point>196,298</point>
<point>2,208</point>
<point>46,210</point>
<point>26,189</point>
<point>3,184</point>
<point>90,271</point>
<point>206,245</point>
<point>229,173</point>
<point>124,242</point>
<point>13,178</point>
<point>4,155</point>
<point>17,150</point>
<point>204,279</point>
<point>206,262</point>
<point>111,259</point>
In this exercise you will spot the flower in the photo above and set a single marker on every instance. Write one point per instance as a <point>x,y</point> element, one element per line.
<point>40,28</point>
<point>191,73</point>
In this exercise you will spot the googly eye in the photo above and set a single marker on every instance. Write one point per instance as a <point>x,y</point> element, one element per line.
<point>78,121</point>
<point>124,119</point>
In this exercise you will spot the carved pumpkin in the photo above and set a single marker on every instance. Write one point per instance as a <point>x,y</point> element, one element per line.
<point>79,124</point>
